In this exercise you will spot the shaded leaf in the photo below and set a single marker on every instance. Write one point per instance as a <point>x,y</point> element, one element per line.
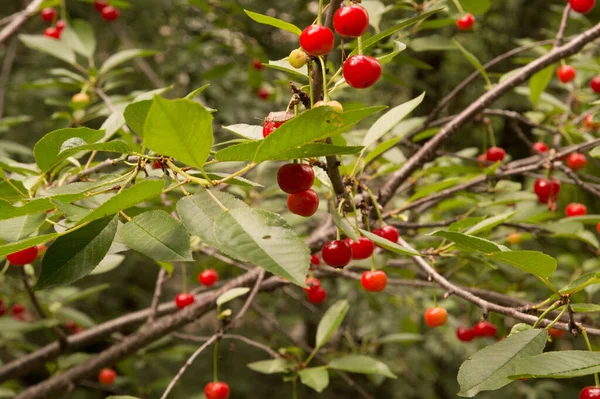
<point>331,321</point>
<point>121,57</point>
<point>536,263</point>
<point>273,366</point>
<point>231,294</point>
<point>561,364</point>
<point>48,148</point>
<point>362,365</point>
<point>316,378</point>
<point>278,23</point>
<point>387,244</point>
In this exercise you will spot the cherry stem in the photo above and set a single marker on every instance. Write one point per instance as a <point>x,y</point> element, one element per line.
<point>324,72</point>
<point>5,268</point>
<point>310,85</point>
<point>376,205</point>
<point>215,362</point>
<point>490,130</point>
<point>294,390</point>
<point>360,49</point>
<point>583,332</point>
<point>562,312</point>
<point>223,207</point>
<point>555,305</point>
<point>320,15</point>
<point>184,277</point>
<point>458,6</point>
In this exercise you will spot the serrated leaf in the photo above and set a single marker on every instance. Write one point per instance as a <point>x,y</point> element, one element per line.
<point>13,247</point>
<point>273,366</point>
<point>469,242</point>
<point>231,294</point>
<point>8,211</point>
<point>135,115</point>
<point>489,368</point>
<point>344,224</point>
<point>580,283</point>
<point>278,23</point>
<point>55,48</point>
<point>362,365</point>
<point>121,57</point>
<point>48,148</point>
<point>158,236</point>
<point>561,364</point>
<point>21,227</point>
<point>316,378</point>
<point>387,244</point>
<point>331,321</point>
<point>311,150</point>
<point>74,255</point>
<point>489,223</point>
<point>536,263</point>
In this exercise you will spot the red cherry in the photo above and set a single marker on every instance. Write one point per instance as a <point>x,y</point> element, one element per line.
<point>351,21</point>
<point>539,147</point>
<point>435,317</point>
<point>216,390</point>
<point>590,393</point>
<point>304,203</point>
<point>466,22</point>
<point>374,281</point>
<point>263,94</point>
<point>270,126</point>
<point>256,64</point>
<point>546,189</point>
<point>314,260</point>
<point>465,334</point>
<point>312,283</point>
<point>317,40</point>
<point>107,376</point>
<point>566,73</point>
<point>337,253</point>
<point>100,5</point>
<point>588,121</point>
<point>495,154</point>
<point>576,161</point>
<point>485,329</point>
<point>555,332</point>
<point>295,177</point>
<point>60,25</point>
<point>390,233</point>
<point>157,164</point>
<point>208,277</point>
<point>361,249</point>
<point>110,13</point>
<point>52,33</point>
<point>598,228</point>
<point>48,14</point>
<point>361,71</point>
<point>575,209</point>
<point>23,257</point>
<point>18,309</point>
<point>582,6</point>
<point>317,296</point>
<point>595,84</point>
<point>183,300</point>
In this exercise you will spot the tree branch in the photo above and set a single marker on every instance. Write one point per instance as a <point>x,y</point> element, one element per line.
<point>19,20</point>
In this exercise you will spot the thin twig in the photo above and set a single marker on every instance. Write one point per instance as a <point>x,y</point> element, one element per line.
<point>19,20</point>
<point>235,337</point>
<point>162,274</point>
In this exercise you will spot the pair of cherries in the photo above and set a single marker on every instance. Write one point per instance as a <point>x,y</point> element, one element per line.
<point>206,278</point>
<point>339,253</point>
<point>480,330</point>
<point>108,12</point>
<point>296,179</point>
<point>49,15</point>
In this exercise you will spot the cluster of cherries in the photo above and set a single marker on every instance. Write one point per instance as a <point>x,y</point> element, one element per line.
<point>480,330</point>
<point>206,278</point>
<point>296,179</point>
<point>108,12</point>
<point>49,15</point>
<point>17,310</point>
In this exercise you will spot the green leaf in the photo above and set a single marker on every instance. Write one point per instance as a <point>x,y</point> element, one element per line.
<point>195,93</point>
<point>21,227</point>
<point>158,236</point>
<point>470,242</point>
<point>343,224</point>
<point>74,255</point>
<point>391,119</point>
<point>562,364</point>
<point>85,34</point>
<point>539,82</point>
<point>231,294</point>
<point>489,223</point>
<point>585,307</point>
<point>473,60</point>
<point>13,247</point>
<point>121,57</point>
<point>273,366</point>
<point>311,150</point>
<point>48,148</point>
<point>428,189</point>
<point>331,321</point>
<point>489,368</point>
<point>139,192</point>
<point>476,6</point>
<point>135,115</point>
<point>316,378</point>
<point>181,129</point>
<point>387,244</point>
<point>381,148</point>
<point>362,365</point>
<point>55,48</point>
<point>278,23</point>
<point>8,211</point>
<point>536,263</point>
<point>251,132</point>
<point>74,146</point>
<point>580,283</point>
<point>400,337</point>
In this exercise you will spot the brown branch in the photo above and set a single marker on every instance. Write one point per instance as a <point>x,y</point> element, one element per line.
<point>558,41</point>
<point>86,172</point>
<point>7,65</point>
<point>19,20</point>
<point>235,337</point>
<point>162,274</point>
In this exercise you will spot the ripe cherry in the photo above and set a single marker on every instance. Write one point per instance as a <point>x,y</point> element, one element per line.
<point>590,393</point>
<point>157,165</point>
<point>297,58</point>
<point>17,309</point>
<point>48,14</point>
<point>374,281</point>
<point>256,64</point>
<point>182,300</point>
<point>312,284</point>
<point>555,332</point>
<point>495,154</point>
<point>317,40</point>
<point>216,390</point>
<point>333,104</point>
<point>110,13</point>
<point>465,334</point>
<point>100,5</point>
<point>514,238</point>
<point>52,33</point>
<point>595,84</point>
<point>337,253</point>
<point>361,71</point>
<point>107,376</point>
<point>270,126</point>
<point>546,189</point>
<point>576,161</point>
<point>263,93</point>
<point>539,147</point>
<point>314,260</point>
<point>317,296</point>
<point>575,209</point>
<point>361,249</point>
<point>208,277</point>
<point>435,317</point>
<point>582,6</point>
<point>485,329</point>
<point>304,203</point>
<point>23,257</point>
<point>351,21</point>
<point>566,73</point>
<point>466,22</point>
<point>295,177</point>
<point>60,25</point>
<point>390,233</point>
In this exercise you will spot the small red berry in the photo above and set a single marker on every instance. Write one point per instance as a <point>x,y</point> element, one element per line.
<point>582,6</point>
<point>295,177</point>
<point>598,228</point>
<point>60,25</point>
<point>337,253</point>
<point>588,121</point>
<point>555,332</point>
<point>466,22</point>
<point>465,334</point>
<point>157,164</point>
<point>435,317</point>
<point>595,84</point>
<point>52,33</point>
<point>495,154</point>
<point>216,390</point>
<point>351,21</point>
<point>361,71</point>
<point>269,126</point>
<point>576,161</point>
<point>304,203</point>
<point>575,209</point>
<point>566,73</point>
<point>48,14</point>
<point>107,376</point>
<point>23,257</point>
<point>100,5</point>
<point>314,260</point>
<point>312,284</point>
<point>263,94</point>
<point>485,329</point>
<point>317,296</point>
<point>256,64</point>
<point>110,13</point>
<point>183,300</point>
<point>546,189</point>
<point>390,233</point>
<point>361,249</point>
<point>374,281</point>
<point>208,277</point>
<point>539,147</point>
<point>590,393</point>
<point>18,309</point>
<point>317,40</point>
